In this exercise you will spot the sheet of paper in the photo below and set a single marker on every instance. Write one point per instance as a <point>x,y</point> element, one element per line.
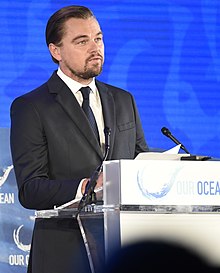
<point>171,154</point>
<point>75,202</point>
<point>174,150</point>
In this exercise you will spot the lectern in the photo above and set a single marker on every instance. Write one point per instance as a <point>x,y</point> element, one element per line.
<point>163,199</point>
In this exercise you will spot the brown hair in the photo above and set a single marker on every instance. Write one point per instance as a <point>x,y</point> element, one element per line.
<point>55,25</point>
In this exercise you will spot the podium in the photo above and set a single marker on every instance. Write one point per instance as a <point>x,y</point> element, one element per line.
<point>170,200</point>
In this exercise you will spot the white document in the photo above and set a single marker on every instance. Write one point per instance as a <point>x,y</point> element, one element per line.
<point>171,154</point>
<point>74,203</point>
<point>174,150</point>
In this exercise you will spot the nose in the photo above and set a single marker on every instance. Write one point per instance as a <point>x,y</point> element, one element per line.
<point>94,46</point>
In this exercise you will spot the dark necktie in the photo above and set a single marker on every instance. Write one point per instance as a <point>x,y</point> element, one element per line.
<point>88,111</point>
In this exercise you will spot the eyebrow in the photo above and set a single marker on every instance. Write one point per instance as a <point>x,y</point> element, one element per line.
<point>85,36</point>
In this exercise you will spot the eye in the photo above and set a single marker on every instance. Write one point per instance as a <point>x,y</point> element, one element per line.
<point>82,42</point>
<point>98,39</point>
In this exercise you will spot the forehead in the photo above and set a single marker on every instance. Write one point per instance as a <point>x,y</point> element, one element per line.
<point>77,27</point>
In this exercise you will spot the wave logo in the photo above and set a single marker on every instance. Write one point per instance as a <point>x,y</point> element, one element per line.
<point>16,237</point>
<point>151,182</point>
<point>6,172</point>
<point>19,259</point>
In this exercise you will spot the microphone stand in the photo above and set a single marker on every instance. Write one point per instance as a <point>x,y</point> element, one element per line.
<point>167,133</point>
<point>89,196</point>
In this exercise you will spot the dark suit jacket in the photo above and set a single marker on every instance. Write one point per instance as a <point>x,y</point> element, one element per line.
<point>53,146</point>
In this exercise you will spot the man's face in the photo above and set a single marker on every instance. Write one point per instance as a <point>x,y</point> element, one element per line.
<point>81,54</point>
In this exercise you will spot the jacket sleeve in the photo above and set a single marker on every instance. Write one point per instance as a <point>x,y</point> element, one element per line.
<point>29,151</point>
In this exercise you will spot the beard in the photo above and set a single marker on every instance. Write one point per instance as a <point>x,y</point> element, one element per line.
<point>88,72</point>
<point>91,72</point>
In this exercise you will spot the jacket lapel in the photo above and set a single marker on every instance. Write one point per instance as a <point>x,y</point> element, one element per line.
<point>108,108</point>
<point>67,100</point>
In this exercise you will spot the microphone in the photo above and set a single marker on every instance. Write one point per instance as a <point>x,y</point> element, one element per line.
<point>89,195</point>
<point>167,133</point>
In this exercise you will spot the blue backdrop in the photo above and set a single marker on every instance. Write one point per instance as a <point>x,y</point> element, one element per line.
<point>167,53</point>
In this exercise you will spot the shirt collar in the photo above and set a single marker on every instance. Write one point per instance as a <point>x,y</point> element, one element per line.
<point>73,85</point>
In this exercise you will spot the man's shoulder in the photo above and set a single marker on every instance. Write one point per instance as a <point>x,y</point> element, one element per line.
<point>38,92</point>
<point>35,93</point>
<point>112,88</point>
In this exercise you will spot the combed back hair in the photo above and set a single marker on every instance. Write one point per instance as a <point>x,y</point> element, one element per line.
<point>55,25</point>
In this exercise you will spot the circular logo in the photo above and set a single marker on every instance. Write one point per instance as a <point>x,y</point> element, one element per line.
<point>155,184</point>
<point>16,236</point>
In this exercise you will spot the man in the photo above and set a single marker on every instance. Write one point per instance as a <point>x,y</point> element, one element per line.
<point>54,148</point>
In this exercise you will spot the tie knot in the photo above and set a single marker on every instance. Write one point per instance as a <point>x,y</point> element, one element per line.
<point>85,92</point>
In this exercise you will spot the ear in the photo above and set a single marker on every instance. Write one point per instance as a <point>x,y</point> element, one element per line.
<point>55,51</point>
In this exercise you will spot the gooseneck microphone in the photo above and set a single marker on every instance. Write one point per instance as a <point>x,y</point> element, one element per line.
<point>167,133</point>
<point>89,195</point>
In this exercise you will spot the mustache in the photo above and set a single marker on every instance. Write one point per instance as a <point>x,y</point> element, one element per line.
<point>94,56</point>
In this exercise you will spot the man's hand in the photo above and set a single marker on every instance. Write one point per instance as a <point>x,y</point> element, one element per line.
<point>98,185</point>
